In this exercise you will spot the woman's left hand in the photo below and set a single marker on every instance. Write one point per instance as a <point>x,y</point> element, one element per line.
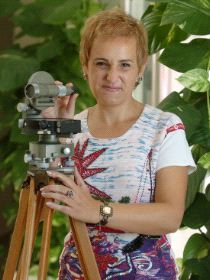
<point>75,197</point>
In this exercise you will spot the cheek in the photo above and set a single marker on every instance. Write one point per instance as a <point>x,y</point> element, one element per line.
<point>93,83</point>
<point>95,79</point>
<point>130,81</point>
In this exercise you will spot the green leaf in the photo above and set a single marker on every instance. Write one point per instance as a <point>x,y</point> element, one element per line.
<point>60,11</point>
<point>204,161</point>
<point>160,36</point>
<point>194,183</point>
<point>185,273</point>
<point>195,80</point>
<point>60,221</point>
<point>175,13</point>
<point>8,7</point>
<point>172,100</point>
<point>29,15</point>
<point>201,134</point>
<point>15,70</point>
<point>198,213</point>
<point>208,193</point>
<point>178,56</point>
<point>7,112</point>
<point>200,5</point>
<point>199,268</point>
<point>197,152</point>
<point>189,16</point>
<point>197,247</point>
<point>14,173</point>
<point>49,50</point>
<point>73,35</point>
<point>190,116</point>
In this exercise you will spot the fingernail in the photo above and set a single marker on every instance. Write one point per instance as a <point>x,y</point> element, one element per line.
<point>49,172</point>
<point>49,204</point>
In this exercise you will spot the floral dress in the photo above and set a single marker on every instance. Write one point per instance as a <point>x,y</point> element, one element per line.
<point>123,170</point>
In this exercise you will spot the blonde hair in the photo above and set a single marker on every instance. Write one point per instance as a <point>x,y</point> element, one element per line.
<point>113,23</point>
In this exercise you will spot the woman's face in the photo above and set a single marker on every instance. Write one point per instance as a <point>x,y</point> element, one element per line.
<point>112,69</point>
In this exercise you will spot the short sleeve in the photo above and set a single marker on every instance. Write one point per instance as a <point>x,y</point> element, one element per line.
<point>174,150</point>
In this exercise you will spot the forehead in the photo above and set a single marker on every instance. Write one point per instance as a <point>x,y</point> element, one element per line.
<point>114,47</point>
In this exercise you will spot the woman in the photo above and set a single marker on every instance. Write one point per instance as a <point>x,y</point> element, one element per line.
<point>131,161</point>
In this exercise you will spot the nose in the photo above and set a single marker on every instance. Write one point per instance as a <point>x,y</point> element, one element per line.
<point>112,74</point>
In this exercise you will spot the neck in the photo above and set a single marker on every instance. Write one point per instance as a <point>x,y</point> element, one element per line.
<point>111,115</point>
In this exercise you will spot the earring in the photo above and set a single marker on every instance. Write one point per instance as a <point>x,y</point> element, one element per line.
<point>85,76</point>
<point>138,80</point>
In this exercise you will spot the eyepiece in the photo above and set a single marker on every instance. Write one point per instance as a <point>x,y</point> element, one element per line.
<point>32,90</point>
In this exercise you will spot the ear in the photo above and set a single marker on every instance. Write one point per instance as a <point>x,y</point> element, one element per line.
<point>84,69</point>
<point>142,68</point>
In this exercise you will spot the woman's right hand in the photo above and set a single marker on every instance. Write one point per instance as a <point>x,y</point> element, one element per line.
<point>64,106</point>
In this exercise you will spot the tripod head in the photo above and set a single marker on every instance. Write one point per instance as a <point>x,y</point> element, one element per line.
<point>40,93</point>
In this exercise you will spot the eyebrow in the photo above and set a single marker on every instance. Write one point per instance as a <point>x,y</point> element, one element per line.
<point>121,60</point>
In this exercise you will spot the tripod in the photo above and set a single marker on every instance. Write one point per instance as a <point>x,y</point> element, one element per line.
<point>32,210</point>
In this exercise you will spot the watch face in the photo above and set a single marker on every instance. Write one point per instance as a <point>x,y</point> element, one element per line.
<point>107,210</point>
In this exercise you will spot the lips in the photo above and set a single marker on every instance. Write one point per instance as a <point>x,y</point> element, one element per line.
<point>111,88</point>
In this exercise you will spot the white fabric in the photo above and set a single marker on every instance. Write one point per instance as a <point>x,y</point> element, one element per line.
<point>180,154</point>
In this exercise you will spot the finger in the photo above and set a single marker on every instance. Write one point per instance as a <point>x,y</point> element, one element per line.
<point>62,208</point>
<point>79,180</point>
<point>69,84</point>
<point>58,197</point>
<point>48,112</point>
<point>62,101</point>
<point>73,96</point>
<point>70,107</point>
<point>66,140</point>
<point>55,188</point>
<point>66,181</point>
<point>78,177</point>
<point>58,83</point>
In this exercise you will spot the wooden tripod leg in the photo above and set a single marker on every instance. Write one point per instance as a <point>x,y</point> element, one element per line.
<point>29,214</point>
<point>45,245</point>
<point>17,236</point>
<point>29,232</point>
<point>39,210</point>
<point>85,251</point>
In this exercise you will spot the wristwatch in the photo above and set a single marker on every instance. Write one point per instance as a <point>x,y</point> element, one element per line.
<point>106,212</point>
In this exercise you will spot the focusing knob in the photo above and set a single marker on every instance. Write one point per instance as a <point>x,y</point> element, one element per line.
<point>67,151</point>
<point>27,157</point>
<point>21,123</point>
<point>22,107</point>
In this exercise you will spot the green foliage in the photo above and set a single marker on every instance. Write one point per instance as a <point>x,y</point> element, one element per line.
<point>178,56</point>
<point>196,247</point>
<point>198,213</point>
<point>205,161</point>
<point>195,80</point>
<point>208,192</point>
<point>46,38</point>
<point>124,199</point>
<point>169,23</point>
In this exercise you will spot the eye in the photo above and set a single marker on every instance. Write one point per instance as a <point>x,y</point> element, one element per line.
<point>125,65</point>
<point>101,64</point>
